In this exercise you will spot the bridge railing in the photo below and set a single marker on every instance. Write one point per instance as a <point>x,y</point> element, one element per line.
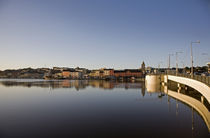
<point>203,79</point>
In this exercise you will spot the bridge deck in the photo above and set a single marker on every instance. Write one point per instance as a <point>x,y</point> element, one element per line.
<point>197,85</point>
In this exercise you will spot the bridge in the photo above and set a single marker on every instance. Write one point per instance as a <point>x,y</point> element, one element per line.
<point>199,83</point>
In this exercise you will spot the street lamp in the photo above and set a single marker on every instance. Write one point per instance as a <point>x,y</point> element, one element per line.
<point>198,41</point>
<point>177,62</point>
<point>169,61</point>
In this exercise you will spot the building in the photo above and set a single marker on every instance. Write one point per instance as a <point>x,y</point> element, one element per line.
<point>119,73</point>
<point>62,69</point>
<point>83,70</point>
<point>128,73</point>
<point>96,74</point>
<point>66,74</point>
<point>76,75</point>
<point>91,74</point>
<point>137,73</point>
<point>108,72</point>
<point>208,67</point>
<point>143,67</point>
<point>58,75</point>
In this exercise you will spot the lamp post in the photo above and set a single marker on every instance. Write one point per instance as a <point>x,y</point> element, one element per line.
<point>192,56</point>
<point>169,61</point>
<point>177,62</point>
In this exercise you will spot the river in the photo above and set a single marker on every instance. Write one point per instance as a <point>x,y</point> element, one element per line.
<point>72,108</point>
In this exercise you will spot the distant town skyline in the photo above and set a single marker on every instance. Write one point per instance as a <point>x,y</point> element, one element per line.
<point>94,34</point>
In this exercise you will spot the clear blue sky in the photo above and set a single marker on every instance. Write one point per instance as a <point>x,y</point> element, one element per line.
<point>102,33</point>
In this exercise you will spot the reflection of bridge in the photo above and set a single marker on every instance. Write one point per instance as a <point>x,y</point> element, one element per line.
<point>197,105</point>
<point>201,87</point>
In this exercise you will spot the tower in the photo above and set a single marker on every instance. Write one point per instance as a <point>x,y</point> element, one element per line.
<point>143,67</point>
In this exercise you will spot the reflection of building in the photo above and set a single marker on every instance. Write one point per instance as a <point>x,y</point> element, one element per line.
<point>77,84</point>
<point>143,90</point>
<point>66,83</point>
<point>95,83</point>
<point>153,87</point>
<point>152,83</point>
<point>194,103</point>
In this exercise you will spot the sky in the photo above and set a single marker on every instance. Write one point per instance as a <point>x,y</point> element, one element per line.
<point>103,33</point>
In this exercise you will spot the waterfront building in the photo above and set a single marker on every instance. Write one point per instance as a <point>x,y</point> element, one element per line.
<point>137,73</point>
<point>76,75</point>
<point>96,74</point>
<point>119,73</point>
<point>83,70</point>
<point>91,74</point>
<point>133,73</point>
<point>108,72</point>
<point>57,75</point>
<point>66,74</point>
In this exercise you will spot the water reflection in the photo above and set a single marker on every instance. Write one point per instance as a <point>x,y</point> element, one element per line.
<point>77,84</point>
<point>193,103</point>
<point>100,109</point>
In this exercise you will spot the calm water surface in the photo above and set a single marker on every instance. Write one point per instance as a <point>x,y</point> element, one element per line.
<point>37,108</point>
